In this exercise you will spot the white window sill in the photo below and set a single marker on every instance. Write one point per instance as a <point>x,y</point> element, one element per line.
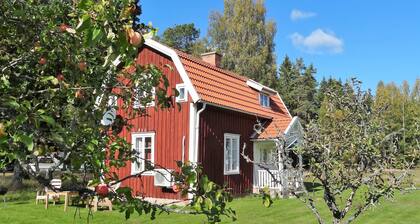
<point>227,173</point>
<point>180,100</point>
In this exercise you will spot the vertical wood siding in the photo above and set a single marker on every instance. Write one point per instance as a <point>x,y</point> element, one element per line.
<point>169,126</point>
<point>214,123</point>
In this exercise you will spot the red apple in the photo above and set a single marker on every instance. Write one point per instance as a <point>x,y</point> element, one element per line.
<point>102,190</point>
<point>79,94</point>
<point>42,61</point>
<point>60,77</point>
<point>176,188</point>
<point>63,27</point>
<point>82,66</point>
<point>134,37</point>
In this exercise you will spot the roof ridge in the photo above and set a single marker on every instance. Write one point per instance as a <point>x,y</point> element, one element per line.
<point>210,66</point>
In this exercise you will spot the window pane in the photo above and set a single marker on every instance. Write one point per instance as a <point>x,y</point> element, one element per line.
<point>139,155</point>
<point>181,93</point>
<point>148,148</point>
<point>227,154</point>
<point>235,153</point>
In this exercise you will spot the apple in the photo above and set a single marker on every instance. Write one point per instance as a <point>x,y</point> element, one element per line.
<point>82,66</point>
<point>135,38</point>
<point>60,77</point>
<point>42,61</point>
<point>176,188</point>
<point>79,94</point>
<point>63,27</point>
<point>102,190</point>
<point>2,131</point>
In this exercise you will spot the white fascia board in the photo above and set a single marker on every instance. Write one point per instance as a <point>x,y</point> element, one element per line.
<point>284,105</point>
<point>295,121</point>
<point>175,58</point>
<point>260,87</point>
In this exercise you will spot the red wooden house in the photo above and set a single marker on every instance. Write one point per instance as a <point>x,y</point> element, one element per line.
<point>218,112</point>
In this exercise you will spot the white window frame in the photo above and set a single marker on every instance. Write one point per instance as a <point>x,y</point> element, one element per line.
<point>229,136</point>
<point>137,104</point>
<point>143,135</point>
<point>178,87</point>
<point>262,103</point>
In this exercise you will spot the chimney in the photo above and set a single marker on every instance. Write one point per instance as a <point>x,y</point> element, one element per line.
<point>212,58</point>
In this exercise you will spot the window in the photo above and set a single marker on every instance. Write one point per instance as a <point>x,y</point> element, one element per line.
<point>143,97</point>
<point>143,145</point>
<point>182,93</point>
<point>231,154</point>
<point>264,100</point>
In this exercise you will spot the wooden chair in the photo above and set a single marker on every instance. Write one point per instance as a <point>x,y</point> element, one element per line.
<point>52,192</point>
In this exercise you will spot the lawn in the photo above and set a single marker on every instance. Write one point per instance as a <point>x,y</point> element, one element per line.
<point>21,208</point>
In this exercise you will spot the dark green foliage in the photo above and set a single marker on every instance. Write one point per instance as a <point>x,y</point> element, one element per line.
<point>183,37</point>
<point>297,87</point>
<point>246,40</point>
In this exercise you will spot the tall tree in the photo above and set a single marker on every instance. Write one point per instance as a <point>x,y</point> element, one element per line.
<point>401,109</point>
<point>184,37</point>
<point>297,87</point>
<point>246,40</point>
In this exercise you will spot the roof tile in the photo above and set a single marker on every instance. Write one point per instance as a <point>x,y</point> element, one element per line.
<point>224,88</point>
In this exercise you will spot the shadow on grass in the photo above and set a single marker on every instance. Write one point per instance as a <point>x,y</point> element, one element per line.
<point>313,186</point>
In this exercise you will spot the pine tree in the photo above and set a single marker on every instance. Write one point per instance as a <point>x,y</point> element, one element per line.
<point>245,39</point>
<point>297,87</point>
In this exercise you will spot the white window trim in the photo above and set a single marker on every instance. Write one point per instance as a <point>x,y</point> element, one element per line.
<point>137,104</point>
<point>268,98</point>
<point>237,171</point>
<point>179,86</point>
<point>133,145</point>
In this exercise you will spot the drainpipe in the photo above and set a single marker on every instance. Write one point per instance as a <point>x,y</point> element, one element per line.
<point>197,125</point>
<point>183,149</point>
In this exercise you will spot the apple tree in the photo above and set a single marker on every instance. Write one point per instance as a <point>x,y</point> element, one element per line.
<point>62,63</point>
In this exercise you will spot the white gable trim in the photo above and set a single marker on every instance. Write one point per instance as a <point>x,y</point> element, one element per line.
<point>174,56</point>
<point>284,104</point>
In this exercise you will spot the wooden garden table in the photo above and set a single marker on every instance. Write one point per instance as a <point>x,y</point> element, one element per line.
<point>67,195</point>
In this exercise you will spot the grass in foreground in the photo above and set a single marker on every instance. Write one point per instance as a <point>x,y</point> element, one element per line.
<point>405,209</point>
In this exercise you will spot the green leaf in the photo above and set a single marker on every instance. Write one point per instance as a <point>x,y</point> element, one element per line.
<point>25,139</point>
<point>84,23</point>
<point>208,203</point>
<point>96,35</point>
<point>13,104</point>
<point>49,120</point>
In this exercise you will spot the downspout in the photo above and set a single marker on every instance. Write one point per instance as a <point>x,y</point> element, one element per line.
<point>183,149</point>
<point>197,125</point>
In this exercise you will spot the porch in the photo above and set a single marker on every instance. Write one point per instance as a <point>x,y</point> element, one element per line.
<point>276,177</point>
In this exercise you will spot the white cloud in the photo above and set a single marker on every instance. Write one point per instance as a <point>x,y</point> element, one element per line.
<point>318,42</point>
<point>297,14</point>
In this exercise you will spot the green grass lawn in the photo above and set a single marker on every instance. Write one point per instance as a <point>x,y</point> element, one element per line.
<point>405,208</point>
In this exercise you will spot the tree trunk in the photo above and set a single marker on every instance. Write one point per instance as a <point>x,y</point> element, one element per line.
<point>17,180</point>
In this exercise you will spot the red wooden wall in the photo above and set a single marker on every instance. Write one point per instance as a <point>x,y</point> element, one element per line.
<point>169,125</point>
<point>214,123</point>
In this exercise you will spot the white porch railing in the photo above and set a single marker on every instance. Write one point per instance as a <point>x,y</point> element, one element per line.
<point>265,179</point>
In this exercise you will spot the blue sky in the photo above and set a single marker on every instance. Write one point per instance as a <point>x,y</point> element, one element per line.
<point>372,40</point>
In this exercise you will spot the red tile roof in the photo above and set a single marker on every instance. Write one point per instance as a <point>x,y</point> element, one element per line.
<point>229,90</point>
